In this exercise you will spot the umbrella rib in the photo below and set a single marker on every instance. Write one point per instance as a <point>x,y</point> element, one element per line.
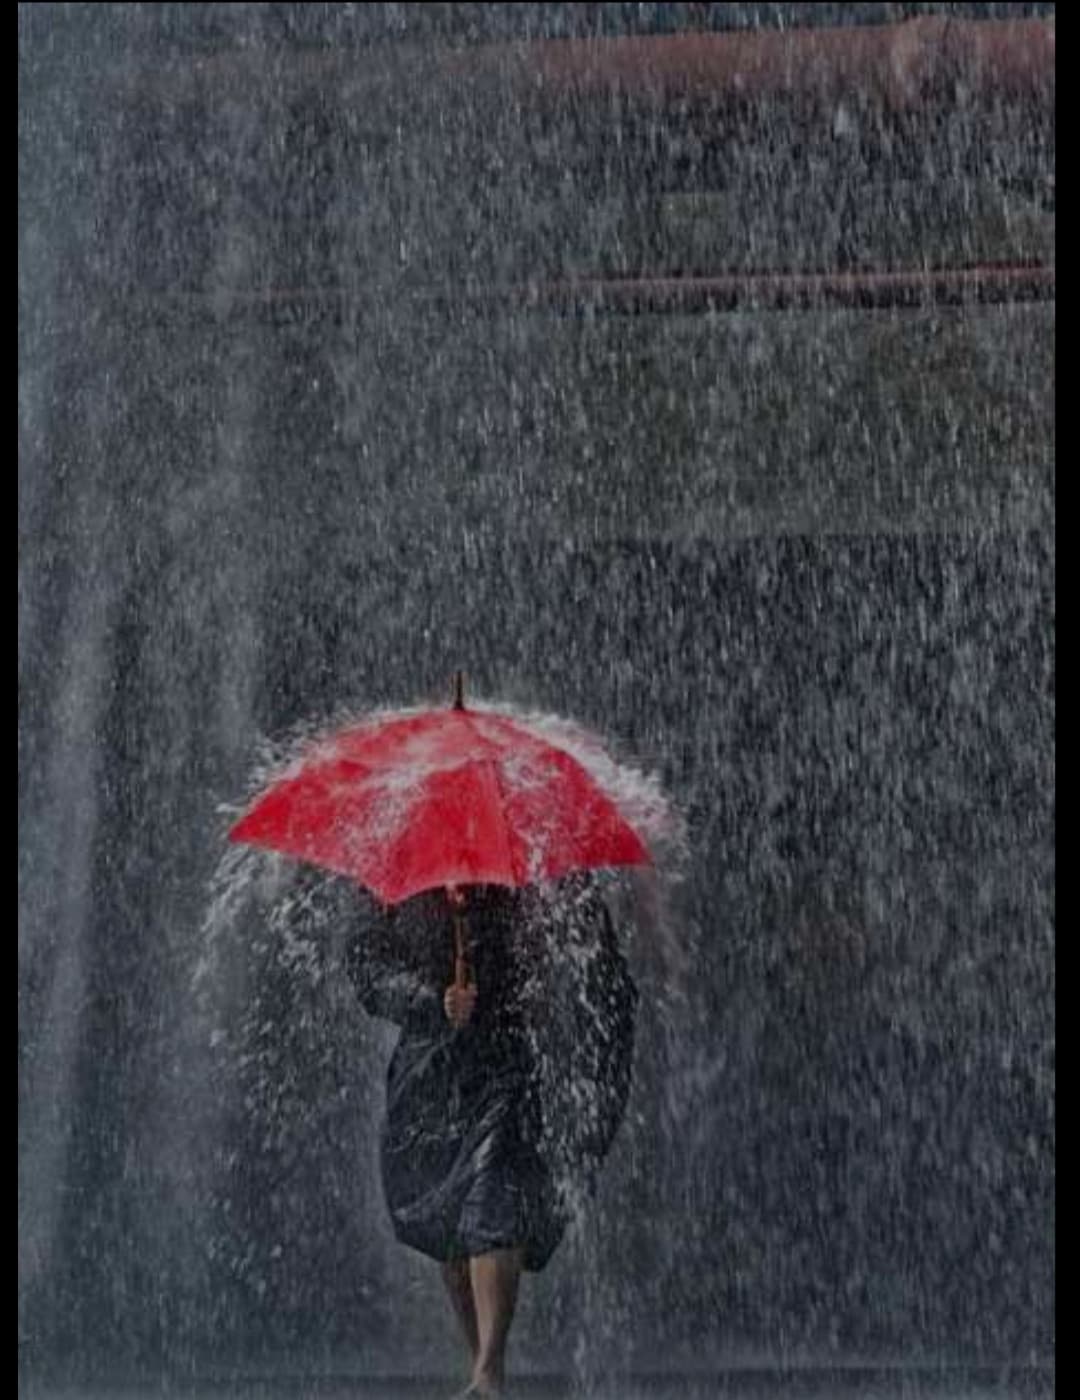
<point>493,766</point>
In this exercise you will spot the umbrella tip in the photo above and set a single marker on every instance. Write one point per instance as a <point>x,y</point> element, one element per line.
<point>459,690</point>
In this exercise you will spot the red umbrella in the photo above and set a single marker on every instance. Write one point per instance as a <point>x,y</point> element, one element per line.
<point>443,797</point>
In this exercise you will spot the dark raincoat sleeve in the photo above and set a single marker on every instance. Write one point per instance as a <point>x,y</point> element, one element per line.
<point>386,985</point>
<point>584,1014</point>
<point>607,1044</point>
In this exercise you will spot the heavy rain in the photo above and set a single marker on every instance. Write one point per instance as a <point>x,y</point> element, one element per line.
<point>683,374</point>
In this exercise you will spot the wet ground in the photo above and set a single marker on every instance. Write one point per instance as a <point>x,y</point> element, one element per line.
<point>847,1383</point>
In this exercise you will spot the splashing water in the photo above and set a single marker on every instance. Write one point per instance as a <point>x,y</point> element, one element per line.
<point>710,401</point>
<point>278,1010</point>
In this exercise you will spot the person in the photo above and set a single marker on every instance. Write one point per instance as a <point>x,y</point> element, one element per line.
<point>506,1086</point>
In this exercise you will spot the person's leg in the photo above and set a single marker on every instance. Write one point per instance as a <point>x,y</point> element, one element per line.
<point>455,1274</point>
<point>494,1285</point>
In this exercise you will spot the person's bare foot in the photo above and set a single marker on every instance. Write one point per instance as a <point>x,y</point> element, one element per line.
<point>480,1389</point>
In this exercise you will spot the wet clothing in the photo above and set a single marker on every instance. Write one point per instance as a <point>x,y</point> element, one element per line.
<point>491,1128</point>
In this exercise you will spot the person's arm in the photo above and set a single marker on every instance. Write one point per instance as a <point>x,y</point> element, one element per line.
<point>608,1045</point>
<point>610,984</point>
<point>386,987</point>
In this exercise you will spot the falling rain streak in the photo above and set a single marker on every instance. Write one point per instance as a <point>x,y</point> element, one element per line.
<point>682,370</point>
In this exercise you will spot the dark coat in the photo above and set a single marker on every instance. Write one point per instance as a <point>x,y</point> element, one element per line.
<point>493,1130</point>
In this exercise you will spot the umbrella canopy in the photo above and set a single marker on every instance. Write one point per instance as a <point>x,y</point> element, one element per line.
<point>455,796</point>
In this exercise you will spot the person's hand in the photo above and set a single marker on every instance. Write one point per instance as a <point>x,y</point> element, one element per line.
<point>458,1003</point>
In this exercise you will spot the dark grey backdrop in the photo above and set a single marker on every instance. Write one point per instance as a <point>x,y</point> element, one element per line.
<point>278,452</point>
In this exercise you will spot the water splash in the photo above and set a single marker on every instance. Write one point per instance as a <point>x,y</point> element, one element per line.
<point>275,1003</point>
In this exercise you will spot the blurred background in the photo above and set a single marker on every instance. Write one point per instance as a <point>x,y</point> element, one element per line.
<point>683,368</point>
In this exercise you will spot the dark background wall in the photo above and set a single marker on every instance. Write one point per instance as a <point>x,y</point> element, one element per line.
<point>330,383</point>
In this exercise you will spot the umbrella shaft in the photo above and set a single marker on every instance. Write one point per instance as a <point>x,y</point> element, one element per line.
<point>461,967</point>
